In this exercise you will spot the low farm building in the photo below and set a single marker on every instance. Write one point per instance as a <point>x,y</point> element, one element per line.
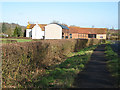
<point>36,31</point>
<point>86,33</point>
<point>59,31</point>
<point>56,31</point>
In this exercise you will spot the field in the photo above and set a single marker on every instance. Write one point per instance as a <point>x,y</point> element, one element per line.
<point>13,40</point>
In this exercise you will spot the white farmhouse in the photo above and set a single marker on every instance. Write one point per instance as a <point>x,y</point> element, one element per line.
<point>36,31</point>
<point>54,31</point>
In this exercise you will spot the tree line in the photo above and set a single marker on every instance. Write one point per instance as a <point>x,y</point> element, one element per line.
<point>16,33</point>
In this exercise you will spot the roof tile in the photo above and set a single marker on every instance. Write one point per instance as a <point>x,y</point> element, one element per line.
<point>30,26</point>
<point>73,29</point>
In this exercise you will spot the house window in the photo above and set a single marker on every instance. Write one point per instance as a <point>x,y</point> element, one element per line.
<point>94,35</point>
<point>43,37</point>
<point>80,35</point>
<point>66,37</point>
<point>91,35</point>
<point>70,35</point>
<point>101,36</point>
<point>62,35</point>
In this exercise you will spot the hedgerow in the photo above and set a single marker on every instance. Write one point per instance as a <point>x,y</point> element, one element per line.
<point>22,62</point>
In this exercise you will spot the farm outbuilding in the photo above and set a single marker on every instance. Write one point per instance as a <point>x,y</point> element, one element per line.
<point>36,31</point>
<point>86,33</point>
<point>55,31</point>
<point>61,31</point>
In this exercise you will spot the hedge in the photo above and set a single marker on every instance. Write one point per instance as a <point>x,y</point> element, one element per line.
<point>27,59</point>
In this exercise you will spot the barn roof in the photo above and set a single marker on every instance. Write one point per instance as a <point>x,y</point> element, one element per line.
<point>30,26</point>
<point>63,26</point>
<point>42,26</point>
<point>73,29</point>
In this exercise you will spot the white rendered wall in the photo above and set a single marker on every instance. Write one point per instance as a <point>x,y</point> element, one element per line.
<point>101,36</point>
<point>28,32</point>
<point>53,31</point>
<point>37,32</point>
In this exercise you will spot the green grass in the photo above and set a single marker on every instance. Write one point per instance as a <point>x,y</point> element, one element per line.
<point>113,63</point>
<point>12,40</point>
<point>62,75</point>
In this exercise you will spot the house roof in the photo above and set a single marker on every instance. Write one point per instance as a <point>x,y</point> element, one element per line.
<point>73,29</point>
<point>42,26</point>
<point>30,26</point>
<point>63,26</point>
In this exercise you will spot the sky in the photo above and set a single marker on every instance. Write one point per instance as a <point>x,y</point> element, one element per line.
<point>83,14</point>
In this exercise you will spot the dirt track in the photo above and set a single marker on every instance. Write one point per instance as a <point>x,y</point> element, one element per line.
<point>96,74</point>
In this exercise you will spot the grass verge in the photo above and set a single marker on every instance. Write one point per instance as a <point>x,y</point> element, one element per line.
<point>113,63</point>
<point>10,40</point>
